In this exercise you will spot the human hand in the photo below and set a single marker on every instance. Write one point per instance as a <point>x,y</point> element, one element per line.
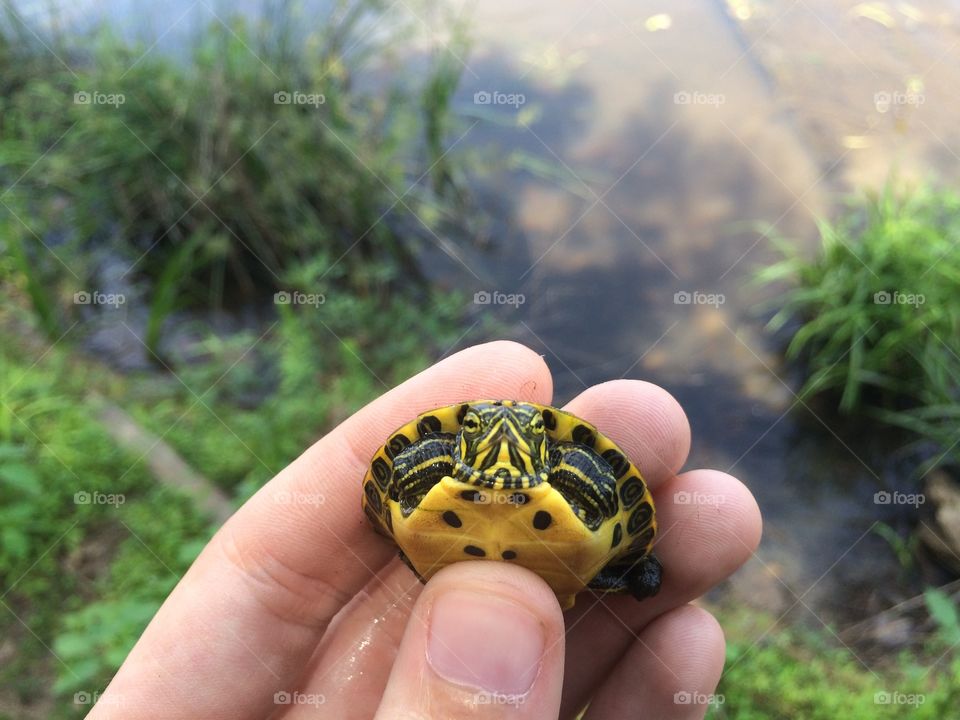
<point>296,608</point>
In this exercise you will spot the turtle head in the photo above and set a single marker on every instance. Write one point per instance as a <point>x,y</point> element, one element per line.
<point>501,445</point>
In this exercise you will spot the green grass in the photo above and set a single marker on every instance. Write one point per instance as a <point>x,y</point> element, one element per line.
<point>56,548</point>
<point>101,571</point>
<point>800,673</point>
<point>874,317</point>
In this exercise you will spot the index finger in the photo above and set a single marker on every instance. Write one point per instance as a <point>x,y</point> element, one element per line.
<point>243,622</point>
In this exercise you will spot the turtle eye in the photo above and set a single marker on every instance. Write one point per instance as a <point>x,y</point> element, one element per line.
<point>471,423</point>
<point>537,425</point>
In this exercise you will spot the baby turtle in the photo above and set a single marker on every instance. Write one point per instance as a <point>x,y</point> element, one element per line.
<point>516,482</point>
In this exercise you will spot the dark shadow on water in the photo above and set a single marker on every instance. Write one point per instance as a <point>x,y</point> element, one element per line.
<point>600,292</point>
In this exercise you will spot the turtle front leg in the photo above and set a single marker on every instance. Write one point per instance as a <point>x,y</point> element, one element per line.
<point>419,467</point>
<point>585,481</point>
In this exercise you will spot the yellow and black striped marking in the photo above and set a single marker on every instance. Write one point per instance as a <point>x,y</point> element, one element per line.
<point>517,482</point>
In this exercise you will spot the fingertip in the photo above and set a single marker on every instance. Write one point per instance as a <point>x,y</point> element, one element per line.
<point>697,630</point>
<point>751,517</point>
<point>743,500</point>
<point>527,370</point>
<point>513,582</point>
<point>483,635</point>
<point>717,518</point>
<point>689,649</point>
<point>504,582</point>
<point>671,669</point>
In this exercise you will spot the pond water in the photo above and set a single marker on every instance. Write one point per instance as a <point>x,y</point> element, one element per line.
<point>671,130</point>
<point>676,128</point>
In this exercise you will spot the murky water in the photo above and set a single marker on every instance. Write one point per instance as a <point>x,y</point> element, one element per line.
<point>670,131</point>
<point>635,260</point>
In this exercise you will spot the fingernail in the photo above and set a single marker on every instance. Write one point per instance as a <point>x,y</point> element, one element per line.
<point>485,642</point>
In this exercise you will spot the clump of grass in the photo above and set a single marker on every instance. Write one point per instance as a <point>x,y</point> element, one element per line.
<point>875,317</point>
<point>219,178</point>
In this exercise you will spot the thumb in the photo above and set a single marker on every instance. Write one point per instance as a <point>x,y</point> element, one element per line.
<point>484,640</point>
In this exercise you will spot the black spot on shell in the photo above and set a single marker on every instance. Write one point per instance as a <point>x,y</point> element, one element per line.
<point>631,491</point>
<point>388,518</point>
<point>374,500</point>
<point>617,535</point>
<point>618,463</point>
<point>452,519</point>
<point>473,496</point>
<point>461,413</point>
<point>396,445</point>
<point>474,550</point>
<point>518,499</point>
<point>508,554</point>
<point>381,473</point>
<point>583,435</point>
<point>639,518</point>
<point>428,424</point>
<point>542,520</point>
<point>549,420</point>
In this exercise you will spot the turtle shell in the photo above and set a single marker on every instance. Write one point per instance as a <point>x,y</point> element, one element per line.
<point>554,528</point>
